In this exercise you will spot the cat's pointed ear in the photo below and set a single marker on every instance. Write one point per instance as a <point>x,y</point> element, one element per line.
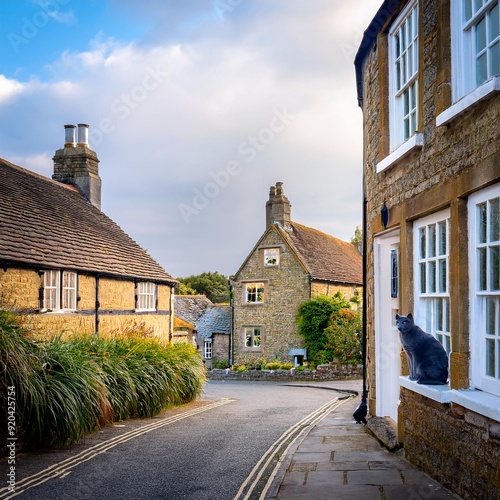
<point>410,316</point>
<point>397,316</point>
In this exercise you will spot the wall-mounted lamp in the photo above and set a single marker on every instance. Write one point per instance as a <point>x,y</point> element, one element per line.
<point>384,215</point>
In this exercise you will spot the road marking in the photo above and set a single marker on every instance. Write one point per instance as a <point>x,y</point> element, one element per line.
<point>62,469</point>
<point>250,487</point>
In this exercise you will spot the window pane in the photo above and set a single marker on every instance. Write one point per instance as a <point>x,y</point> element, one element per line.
<point>423,278</point>
<point>490,357</point>
<point>432,241</point>
<point>481,69</point>
<point>442,276</point>
<point>442,238</point>
<point>481,209</point>
<point>446,315</point>
<point>467,9</point>
<point>495,219</point>
<point>480,35</point>
<point>422,242</point>
<point>248,337</point>
<point>495,59</point>
<point>481,264</point>
<point>439,315</point>
<point>256,338</point>
<point>495,268</point>
<point>428,315</point>
<point>491,316</point>
<point>494,29</point>
<point>432,277</point>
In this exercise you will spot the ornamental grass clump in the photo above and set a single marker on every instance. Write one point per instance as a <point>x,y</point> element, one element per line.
<point>68,387</point>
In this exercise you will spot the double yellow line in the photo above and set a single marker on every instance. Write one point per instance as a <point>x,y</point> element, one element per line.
<point>61,469</point>
<point>252,487</point>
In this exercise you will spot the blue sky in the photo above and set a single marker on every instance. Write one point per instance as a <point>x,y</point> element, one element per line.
<point>195,109</point>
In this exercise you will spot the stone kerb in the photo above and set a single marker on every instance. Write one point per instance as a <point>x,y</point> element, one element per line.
<point>322,372</point>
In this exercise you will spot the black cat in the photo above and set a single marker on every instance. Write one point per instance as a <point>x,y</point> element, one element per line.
<point>426,356</point>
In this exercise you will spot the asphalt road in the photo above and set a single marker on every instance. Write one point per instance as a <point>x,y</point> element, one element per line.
<point>205,450</point>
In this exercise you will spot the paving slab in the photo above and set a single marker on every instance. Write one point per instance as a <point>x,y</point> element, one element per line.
<point>338,459</point>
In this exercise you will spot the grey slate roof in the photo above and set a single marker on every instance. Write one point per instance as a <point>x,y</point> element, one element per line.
<point>190,307</point>
<point>44,223</point>
<point>215,319</point>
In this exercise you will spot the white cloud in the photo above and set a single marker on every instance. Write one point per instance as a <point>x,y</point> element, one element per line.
<point>9,88</point>
<point>169,113</point>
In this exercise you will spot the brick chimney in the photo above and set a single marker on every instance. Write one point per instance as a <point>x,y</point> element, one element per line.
<point>278,208</point>
<point>77,164</point>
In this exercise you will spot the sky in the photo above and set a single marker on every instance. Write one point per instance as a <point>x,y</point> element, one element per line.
<point>195,108</point>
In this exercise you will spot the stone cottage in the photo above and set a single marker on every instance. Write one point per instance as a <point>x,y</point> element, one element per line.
<point>290,264</point>
<point>428,81</point>
<point>206,324</point>
<point>64,263</point>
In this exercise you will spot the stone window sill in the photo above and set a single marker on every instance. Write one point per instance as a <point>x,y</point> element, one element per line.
<point>481,402</point>
<point>480,93</point>
<point>415,142</point>
<point>439,393</point>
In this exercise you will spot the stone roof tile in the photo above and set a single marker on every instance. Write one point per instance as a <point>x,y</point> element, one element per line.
<point>48,224</point>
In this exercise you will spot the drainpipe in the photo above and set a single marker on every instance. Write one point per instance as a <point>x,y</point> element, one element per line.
<point>231,332</point>
<point>362,410</point>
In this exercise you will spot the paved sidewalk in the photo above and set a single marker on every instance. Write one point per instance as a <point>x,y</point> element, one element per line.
<point>338,459</point>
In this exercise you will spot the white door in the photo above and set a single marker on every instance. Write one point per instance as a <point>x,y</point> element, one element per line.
<point>387,343</point>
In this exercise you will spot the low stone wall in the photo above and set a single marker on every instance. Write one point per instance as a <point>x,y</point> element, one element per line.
<point>456,446</point>
<point>322,372</point>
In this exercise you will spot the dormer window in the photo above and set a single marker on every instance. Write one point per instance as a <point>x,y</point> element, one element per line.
<point>271,257</point>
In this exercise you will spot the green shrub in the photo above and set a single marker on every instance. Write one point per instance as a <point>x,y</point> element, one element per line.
<point>286,366</point>
<point>273,365</point>
<point>330,329</point>
<point>220,363</point>
<point>66,388</point>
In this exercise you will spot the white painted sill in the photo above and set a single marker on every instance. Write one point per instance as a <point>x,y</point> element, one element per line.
<point>479,94</point>
<point>480,402</point>
<point>415,142</point>
<point>439,393</point>
<point>484,403</point>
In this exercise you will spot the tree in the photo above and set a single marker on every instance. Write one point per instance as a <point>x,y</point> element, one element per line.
<point>329,327</point>
<point>212,284</point>
<point>357,239</point>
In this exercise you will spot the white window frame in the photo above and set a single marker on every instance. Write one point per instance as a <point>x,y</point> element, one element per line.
<point>464,69</point>
<point>254,292</point>
<point>207,349</point>
<point>146,296</point>
<point>51,290</point>
<point>254,335</point>
<point>69,291</point>
<point>431,291</point>
<point>271,257</point>
<point>483,291</point>
<point>58,293</point>
<point>404,75</point>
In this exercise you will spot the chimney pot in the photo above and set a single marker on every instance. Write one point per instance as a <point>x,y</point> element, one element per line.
<point>83,134</point>
<point>69,136</point>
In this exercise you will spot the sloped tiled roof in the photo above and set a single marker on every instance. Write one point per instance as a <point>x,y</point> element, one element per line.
<point>190,307</point>
<point>325,257</point>
<point>48,224</point>
<point>215,319</point>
